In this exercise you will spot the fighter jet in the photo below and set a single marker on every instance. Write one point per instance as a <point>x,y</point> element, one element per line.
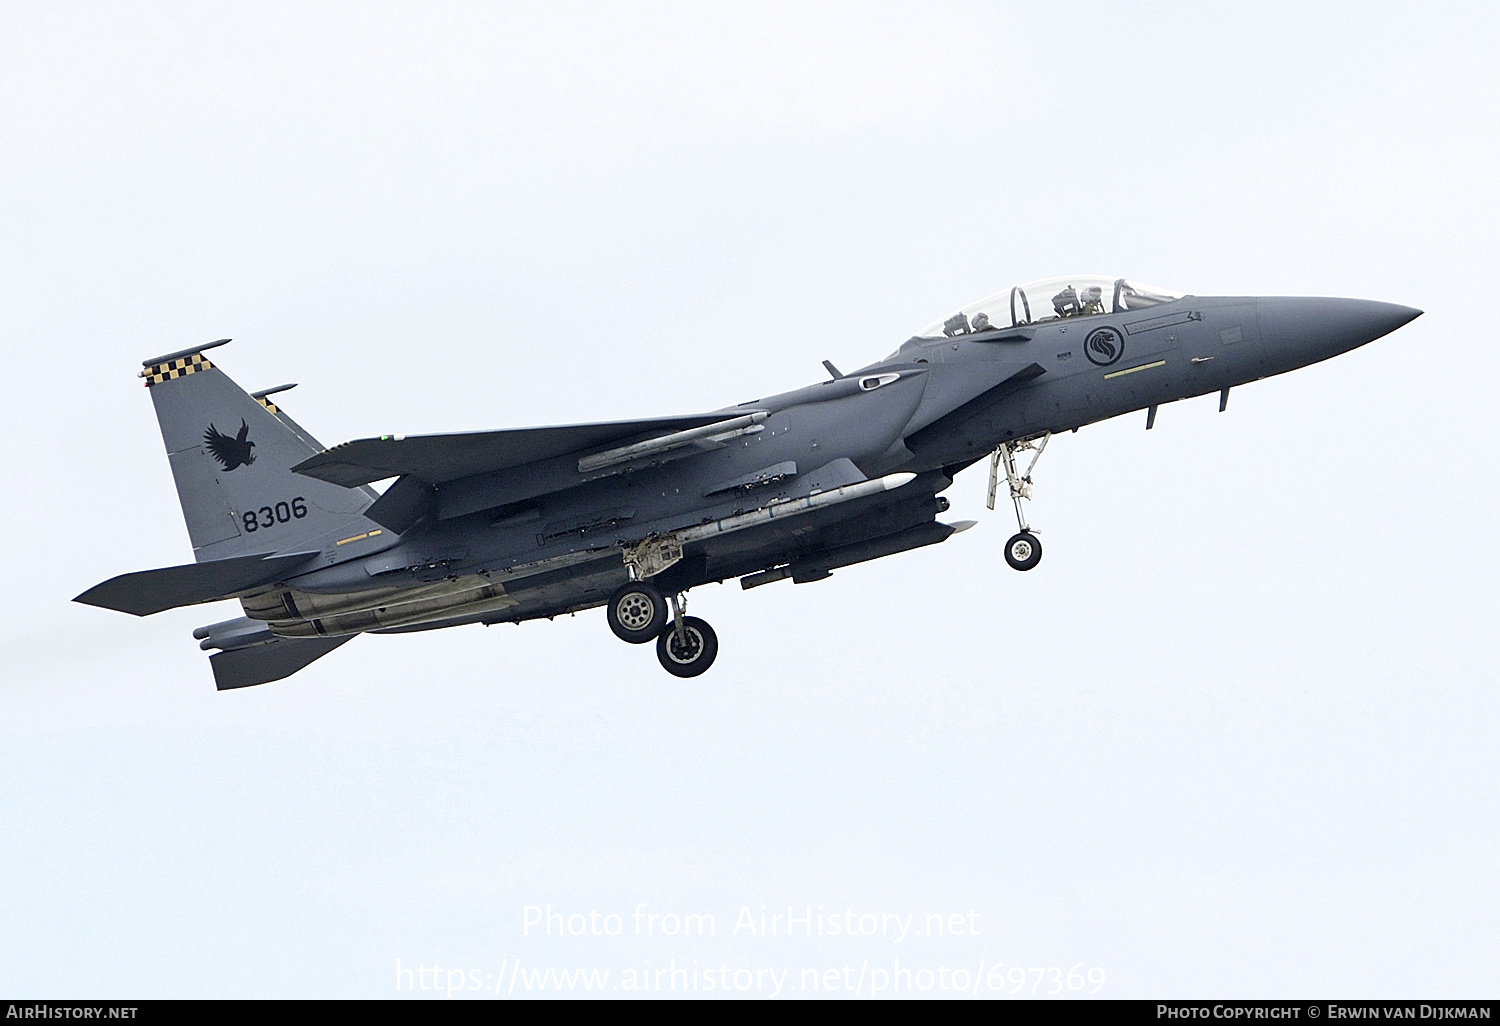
<point>512,525</point>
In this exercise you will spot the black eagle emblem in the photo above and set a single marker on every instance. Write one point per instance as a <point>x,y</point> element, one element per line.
<point>230,452</point>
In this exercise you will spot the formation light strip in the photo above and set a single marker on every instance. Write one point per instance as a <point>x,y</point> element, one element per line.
<point>1132,370</point>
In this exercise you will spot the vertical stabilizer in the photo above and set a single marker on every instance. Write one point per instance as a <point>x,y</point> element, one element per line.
<point>231,455</point>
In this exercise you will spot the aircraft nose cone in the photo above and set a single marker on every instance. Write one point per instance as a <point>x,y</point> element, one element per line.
<point>1315,328</point>
<point>1367,320</point>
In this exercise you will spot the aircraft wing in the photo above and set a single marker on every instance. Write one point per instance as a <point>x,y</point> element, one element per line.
<point>436,459</point>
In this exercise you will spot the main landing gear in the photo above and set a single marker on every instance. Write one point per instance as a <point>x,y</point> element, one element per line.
<point>688,650</point>
<point>685,645</point>
<point>1023,551</point>
<point>637,613</point>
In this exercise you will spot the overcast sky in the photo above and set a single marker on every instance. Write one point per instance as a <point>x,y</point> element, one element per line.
<point>1233,737</point>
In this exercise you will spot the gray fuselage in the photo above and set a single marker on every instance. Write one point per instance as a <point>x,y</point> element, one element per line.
<point>547,538</point>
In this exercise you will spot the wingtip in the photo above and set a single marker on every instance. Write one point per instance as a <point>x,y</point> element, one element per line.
<point>88,598</point>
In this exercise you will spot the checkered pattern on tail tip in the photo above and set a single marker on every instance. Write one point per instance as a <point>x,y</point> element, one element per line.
<point>180,367</point>
<point>264,402</point>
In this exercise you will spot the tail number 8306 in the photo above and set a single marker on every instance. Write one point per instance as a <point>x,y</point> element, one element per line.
<point>270,516</point>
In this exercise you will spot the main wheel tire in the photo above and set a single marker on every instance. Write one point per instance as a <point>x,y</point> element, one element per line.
<point>693,658</point>
<point>1023,551</point>
<point>636,613</point>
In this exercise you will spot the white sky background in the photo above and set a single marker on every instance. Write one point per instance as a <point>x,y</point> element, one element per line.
<point>1233,737</point>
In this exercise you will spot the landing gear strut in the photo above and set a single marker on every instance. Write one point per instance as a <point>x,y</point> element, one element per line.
<point>1022,551</point>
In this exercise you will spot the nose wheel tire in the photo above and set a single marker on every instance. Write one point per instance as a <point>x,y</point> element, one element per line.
<point>1023,551</point>
<point>691,654</point>
<point>637,613</point>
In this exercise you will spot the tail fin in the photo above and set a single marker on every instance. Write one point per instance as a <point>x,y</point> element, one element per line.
<point>231,455</point>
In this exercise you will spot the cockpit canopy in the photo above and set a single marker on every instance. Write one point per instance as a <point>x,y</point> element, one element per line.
<point>1083,295</point>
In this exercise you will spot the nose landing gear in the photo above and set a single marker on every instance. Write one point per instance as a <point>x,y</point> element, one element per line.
<point>1022,551</point>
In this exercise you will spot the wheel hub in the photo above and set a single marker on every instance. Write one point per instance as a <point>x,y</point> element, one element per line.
<point>681,652</point>
<point>634,611</point>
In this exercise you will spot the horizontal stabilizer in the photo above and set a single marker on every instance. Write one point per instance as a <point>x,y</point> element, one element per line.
<point>151,591</point>
<point>261,664</point>
<point>439,458</point>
